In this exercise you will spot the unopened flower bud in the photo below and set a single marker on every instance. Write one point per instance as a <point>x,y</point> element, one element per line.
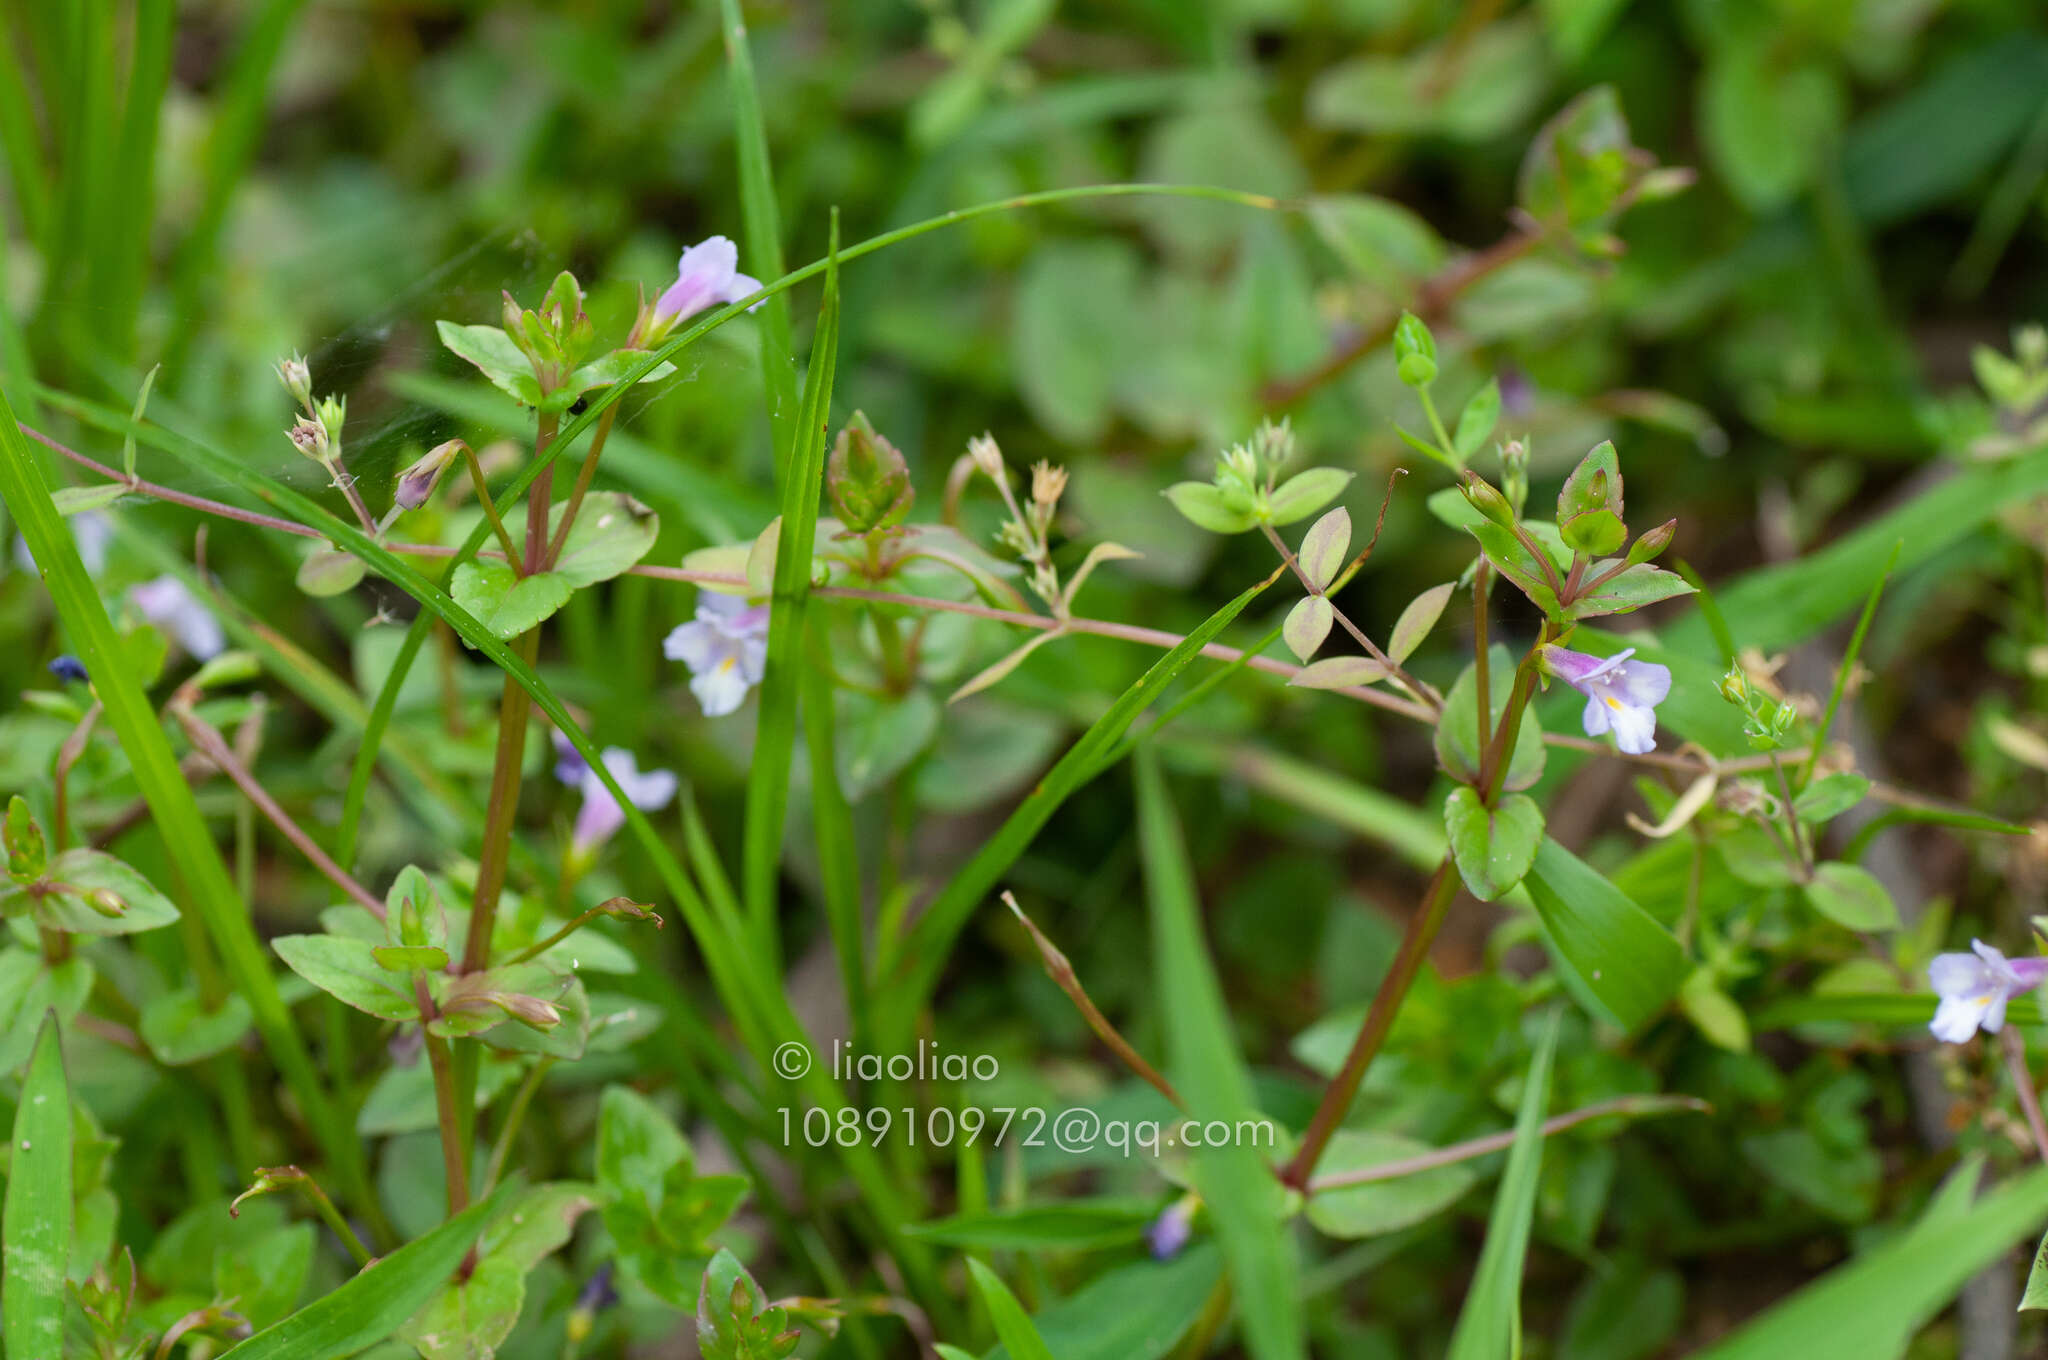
<point>514,317</point>
<point>417,482</point>
<point>1273,445</point>
<point>1735,687</point>
<point>1514,473</point>
<point>989,458</point>
<point>1648,545</point>
<point>867,479</point>
<point>1487,500</point>
<point>297,378</point>
<point>107,903</point>
<point>331,412</point>
<point>528,1010</point>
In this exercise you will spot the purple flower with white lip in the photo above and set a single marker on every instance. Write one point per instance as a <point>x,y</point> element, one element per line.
<point>1621,695</point>
<point>707,275</point>
<point>168,605</point>
<point>726,649</point>
<point>1975,987</point>
<point>600,816</point>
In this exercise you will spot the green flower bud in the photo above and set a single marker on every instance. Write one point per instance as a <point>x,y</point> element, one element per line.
<point>867,479</point>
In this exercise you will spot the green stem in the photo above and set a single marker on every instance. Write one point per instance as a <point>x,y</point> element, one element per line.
<point>335,1222</point>
<point>483,496</point>
<point>584,475</point>
<point>514,1114</point>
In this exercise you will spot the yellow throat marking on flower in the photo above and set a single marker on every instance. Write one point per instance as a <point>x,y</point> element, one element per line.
<point>1613,703</point>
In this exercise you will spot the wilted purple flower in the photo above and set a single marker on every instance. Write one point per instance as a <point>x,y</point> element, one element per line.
<point>726,649</point>
<point>90,530</point>
<point>68,668</point>
<point>166,603</point>
<point>1621,695</point>
<point>600,816</point>
<point>708,274</point>
<point>1171,1230</point>
<point>1975,987</point>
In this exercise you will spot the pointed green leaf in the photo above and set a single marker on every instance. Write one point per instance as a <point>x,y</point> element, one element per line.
<point>1616,957</point>
<point>35,1231</point>
<point>1490,1323</point>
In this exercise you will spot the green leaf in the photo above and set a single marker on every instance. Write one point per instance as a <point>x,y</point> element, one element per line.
<point>612,532</point>
<point>1417,619</point>
<point>500,360</point>
<point>775,729</point>
<point>1374,1208</point>
<point>1589,508</point>
<point>1628,591</point>
<point>1617,958</point>
<point>728,1327</point>
<point>469,1317</point>
<point>1851,896</point>
<point>1206,507</point>
<point>376,1302</point>
<point>1476,421</point>
<point>1380,241</point>
<point>329,571</point>
<point>1581,162</point>
<point>1070,333</point>
<point>1136,1312</point>
<point>1490,1323</point>
<point>1513,559</point>
<point>1308,625</point>
<point>1073,1225</point>
<point>504,602</point>
<point>348,971</point>
<point>27,854</point>
<point>1324,546</point>
<point>179,1029</point>
<point>1496,78</point>
<point>1765,122</point>
<point>29,986</point>
<point>1012,1324</point>
<point>1235,1180</point>
<point>1713,1011</point>
<point>1493,847</point>
<point>1873,1305</point>
<point>1338,672</point>
<point>35,1229</point>
<point>99,895</point>
<point>1305,493</point>
<point>1830,796</point>
<point>1460,743</point>
<point>612,368</point>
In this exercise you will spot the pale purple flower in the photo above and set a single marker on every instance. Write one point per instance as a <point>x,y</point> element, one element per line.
<point>166,603</point>
<point>1621,695</point>
<point>1975,987</point>
<point>726,649</point>
<point>600,816</point>
<point>90,530</point>
<point>1173,1228</point>
<point>707,275</point>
